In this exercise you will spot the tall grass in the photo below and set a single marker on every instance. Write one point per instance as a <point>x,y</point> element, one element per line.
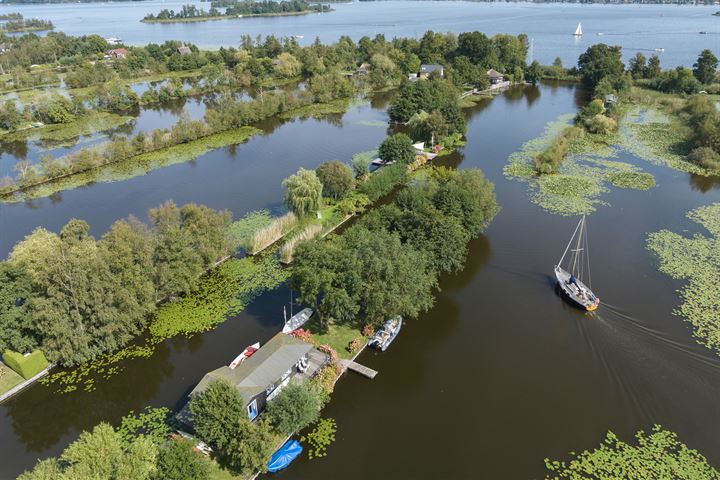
<point>270,234</point>
<point>308,233</point>
<point>550,159</point>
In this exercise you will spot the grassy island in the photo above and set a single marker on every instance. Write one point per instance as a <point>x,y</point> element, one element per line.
<point>15,23</point>
<point>236,9</point>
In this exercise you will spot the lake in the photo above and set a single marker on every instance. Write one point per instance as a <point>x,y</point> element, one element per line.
<point>637,28</point>
<point>500,374</point>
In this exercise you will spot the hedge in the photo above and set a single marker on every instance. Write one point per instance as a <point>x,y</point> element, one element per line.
<point>28,366</point>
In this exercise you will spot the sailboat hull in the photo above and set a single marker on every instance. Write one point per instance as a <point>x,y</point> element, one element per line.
<point>572,292</point>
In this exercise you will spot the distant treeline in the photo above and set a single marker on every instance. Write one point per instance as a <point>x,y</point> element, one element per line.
<point>62,1</point>
<point>234,8</point>
<point>16,23</point>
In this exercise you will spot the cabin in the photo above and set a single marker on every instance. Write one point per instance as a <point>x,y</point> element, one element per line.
<point>495,77</point>
<point>184,50</point>
<point>363,70</point>
<point>262,376</point>
<point>118,53</point>
<point>427,69</point>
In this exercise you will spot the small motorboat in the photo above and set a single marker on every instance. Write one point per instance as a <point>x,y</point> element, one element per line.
<point>298,320</point>
<point>568,281</point>
<point>659,49</point>
<point>244,355</point>
<point>386,334</point>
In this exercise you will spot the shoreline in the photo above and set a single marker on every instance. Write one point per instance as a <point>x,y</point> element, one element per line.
<point>227,17</point>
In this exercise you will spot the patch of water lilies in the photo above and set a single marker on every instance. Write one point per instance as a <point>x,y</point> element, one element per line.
<point>695,259</point>
<point>583,176</point>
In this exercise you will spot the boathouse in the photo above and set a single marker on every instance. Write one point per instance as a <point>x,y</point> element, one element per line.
<point>262,376</point>
<point>495,76</point>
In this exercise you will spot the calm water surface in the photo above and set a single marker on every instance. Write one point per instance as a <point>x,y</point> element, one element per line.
<point>500,374</point>
<point>636,27</point>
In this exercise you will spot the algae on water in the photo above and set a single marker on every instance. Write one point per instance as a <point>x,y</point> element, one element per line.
<point>697,260</point>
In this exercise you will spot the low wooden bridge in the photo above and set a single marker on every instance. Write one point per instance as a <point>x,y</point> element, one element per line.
<point>356,367</point>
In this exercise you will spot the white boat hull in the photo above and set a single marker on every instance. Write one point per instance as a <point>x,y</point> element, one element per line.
<point>588,302</point>
<point>249,350</point>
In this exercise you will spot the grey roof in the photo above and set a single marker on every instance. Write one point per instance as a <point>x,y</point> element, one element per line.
<point>492,73</point>
<point>429,68</point>
<point>263,368</point>
<point>184,50</point>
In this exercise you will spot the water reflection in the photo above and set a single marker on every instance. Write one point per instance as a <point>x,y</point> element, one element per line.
<point>704,184</point>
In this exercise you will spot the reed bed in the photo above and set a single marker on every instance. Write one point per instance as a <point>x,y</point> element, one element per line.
<point>266,236</point>
<point>288,248</point>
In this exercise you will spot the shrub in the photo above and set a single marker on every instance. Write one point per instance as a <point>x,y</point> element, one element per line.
<point>384,181</point>
<point>304,335</point>
<point>178,460</point>
<point>354,345</point>
<point>600,124</point>
<point>550,159</point>
<point>27,366</point>
<point>330,351</point>
<point>368,330</point>
<point>354,204</point>
<point>327,376</point>
<point>705,157</point>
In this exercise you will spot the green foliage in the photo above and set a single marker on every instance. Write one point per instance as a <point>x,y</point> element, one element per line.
<point>632,179</point>
<point>243,230</point>
<point>322,436</point>
<point>296,406</point>
<point>99,454</point>
<point>27,366</point>
<point>303,192</point>
<point>435,94</point>
<point>550,159</point>
<point>216,412</point>
<point>697,260</point>
<point>534,72</point>
<point>336,178</point>
<point>659,456</point>
<point>178,460</point>
<point>384,181</point>
<point>16,324</point>
<point>397,148</point>
<point>153,424</point>
<point>361,162</point>
<point>600,61</point>
<point>705,69</point>
<point>251,448</point>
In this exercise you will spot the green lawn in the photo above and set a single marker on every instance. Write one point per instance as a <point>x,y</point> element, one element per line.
<point>8,378</point>
<point>338,336</point>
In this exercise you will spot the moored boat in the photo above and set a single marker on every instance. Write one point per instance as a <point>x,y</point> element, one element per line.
<point>297,320</point>
<point>569,281</point>
<point>249,350</point>
<point>386,334</point>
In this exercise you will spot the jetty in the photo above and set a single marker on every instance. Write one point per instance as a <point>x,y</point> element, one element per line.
<point>356,367</point>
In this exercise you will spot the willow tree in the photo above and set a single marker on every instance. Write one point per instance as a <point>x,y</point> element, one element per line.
<point>303,192</point>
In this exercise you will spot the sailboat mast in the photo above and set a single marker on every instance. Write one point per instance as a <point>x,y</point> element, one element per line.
<point>569,243</point>
<point>577,246</point>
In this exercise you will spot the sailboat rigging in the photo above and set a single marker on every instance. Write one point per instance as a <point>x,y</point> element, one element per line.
<point>578,30</point>
<point>570,282</point>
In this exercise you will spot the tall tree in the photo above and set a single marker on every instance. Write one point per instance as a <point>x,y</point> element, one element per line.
<point>600,61</point>
<point>296,407</point>
<point>653,67</point>
<point>397,148</point>
<point>705,68</point>
<point>303,192</point>
<point>336,178</point>
<point>534,72</point>
<point>17,331</point>
<point>216,413</point>
<point>637,65</point>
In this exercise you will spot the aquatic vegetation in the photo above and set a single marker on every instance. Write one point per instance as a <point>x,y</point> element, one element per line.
<point>659,455</point>
<point>697,260</point>
<point>243,230</point>
<point>317,110</point>
<point>320,437</point>
<point>137,165</point>
<point>308,233</point>
<point>153,423</point>
<point>583,176</point>
<point>273,232</point>
<point>59,135</point>
<point>225,291</point>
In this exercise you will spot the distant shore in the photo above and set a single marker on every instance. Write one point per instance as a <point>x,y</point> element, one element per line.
<point>226,17</point>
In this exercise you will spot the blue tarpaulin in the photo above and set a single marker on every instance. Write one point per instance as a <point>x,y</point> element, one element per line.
<point>283,457</point>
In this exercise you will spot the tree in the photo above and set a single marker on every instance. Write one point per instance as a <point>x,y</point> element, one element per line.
<point>99,455</point>
<point>534,72</point>
<point>17,330</point>
<point>705,69</point>
<point>336,178</point>
<point>653,67</point>
<point>178,460</point>
<point>637,66</point>
<point>217,412</point>
<point>297,406</point>
<point>251,448</point>
<point>397,148</point>
<point>600,61</point>
<point>10,116</point>
<point>303,192</point>
<point>287,65</point>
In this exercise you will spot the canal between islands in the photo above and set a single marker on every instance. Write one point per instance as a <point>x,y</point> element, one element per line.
<point>498,375</point>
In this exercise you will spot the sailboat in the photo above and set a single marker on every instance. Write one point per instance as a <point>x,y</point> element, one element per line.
<point>570,282</point>
<point>578,30</point>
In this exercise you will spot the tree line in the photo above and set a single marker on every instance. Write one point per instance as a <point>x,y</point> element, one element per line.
<point>76,297</point>
<point>236,8</point>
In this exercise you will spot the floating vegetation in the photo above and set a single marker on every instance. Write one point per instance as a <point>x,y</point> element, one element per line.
<point>697,260</point>
<point>137,165</point>
<point>320,437</point>
<point>243,230</point>
<point>373,123</point>
<point>317,110</point>
<point>584,175</point>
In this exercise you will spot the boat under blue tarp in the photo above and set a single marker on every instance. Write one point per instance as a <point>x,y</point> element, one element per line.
<point>283,457</point>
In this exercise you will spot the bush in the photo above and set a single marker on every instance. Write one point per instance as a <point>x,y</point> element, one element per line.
<point>178,460</point>
<point>550,159</point>
<point>304,335</point>
<point>397,148</point>
<point>330,352</point>
<point>600,124</point>
<point>705,157</point>
<point>384,181</point>
<point>354,345</point>
<point>353,204</point>
<point>297,406</point>
<point>27,366</point>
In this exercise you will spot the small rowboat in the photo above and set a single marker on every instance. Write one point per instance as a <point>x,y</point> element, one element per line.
<point>297,320</point>
<point>244,355</point>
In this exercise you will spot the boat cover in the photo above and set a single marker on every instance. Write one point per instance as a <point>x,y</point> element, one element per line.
<point>284,456</point>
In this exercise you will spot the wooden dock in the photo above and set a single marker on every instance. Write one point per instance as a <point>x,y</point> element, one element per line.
<point>361,369</point>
